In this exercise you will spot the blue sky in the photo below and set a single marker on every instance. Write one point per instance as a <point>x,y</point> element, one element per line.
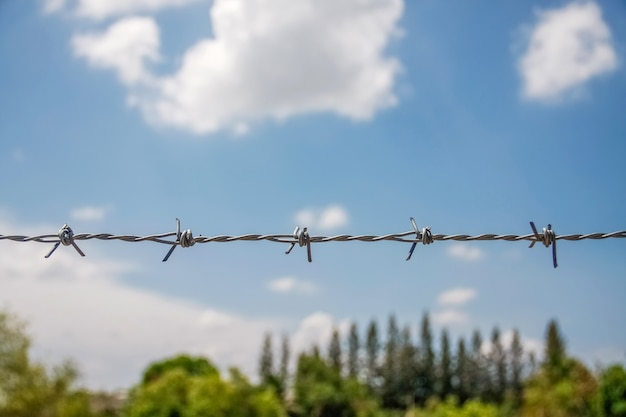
<point>254,117</point>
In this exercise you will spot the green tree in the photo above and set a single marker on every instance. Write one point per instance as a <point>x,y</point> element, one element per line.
<point>407,369</point>
<point>27,388</point>
<point>612,392</point>
<point>334,351</point>
<point>320,391</point>
<point>461,373</point>
<point>444,383</point>
<point>516,354</point>
<point>563,386</point>
<point>478,376</point>
<point>498,371</point>
<point>389,371</point>
<point>353,351</point>
<point>188,364</point>
<point>372,348</point>
<point>426,367</point>
<point>176,392</point>
<point>267,375</point>
<point>283,373</point>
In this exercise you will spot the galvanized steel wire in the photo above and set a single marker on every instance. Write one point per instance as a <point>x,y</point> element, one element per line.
<point>301,237</point>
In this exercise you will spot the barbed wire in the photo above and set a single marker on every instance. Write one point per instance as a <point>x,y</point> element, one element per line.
<point>301,237</point>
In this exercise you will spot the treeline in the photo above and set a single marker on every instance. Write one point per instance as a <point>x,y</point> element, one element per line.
<point>402,372</point>
<point>377,374</point>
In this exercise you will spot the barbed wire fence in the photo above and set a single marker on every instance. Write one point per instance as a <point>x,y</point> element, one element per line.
<point>301,237</point>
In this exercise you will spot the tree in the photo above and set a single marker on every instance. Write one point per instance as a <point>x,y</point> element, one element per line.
<point>554,357</point>
<point>334,351</point>
<point>563,386</point>
<point>516,353</point>
<point>390,366</point>
<point>497,361</point>
<point>426,367</point>
<point>372,347</point>
<point>320,391</point>
<point>267,375</point>
<point>283,374</point>
<point>612,392</point>
<point>407,369</point>
<point>27,388</point>
<point>461,373</point>
<point>353,351</point>
<point>478,377</point>
<point>444,385</point>
<point>180,393</point>
<point>189,365</point>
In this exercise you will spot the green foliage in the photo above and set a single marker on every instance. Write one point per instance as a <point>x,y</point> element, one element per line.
<point>353,351</point>
<point>179,393</point>
<point>334,351</point>
<point>188,364</point>
<point>28,389</point>
<point>451,408</point>
<point>320,391</point>
<point>612,392</point>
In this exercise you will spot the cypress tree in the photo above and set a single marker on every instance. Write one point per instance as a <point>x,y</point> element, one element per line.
<point>497,359</point>
<point>426,373</point>
<point>372,347</point>
<point>284,364</point>
<point>461,381</point>
<point>445,367</point>
<point>407,369</point>
<point>477,375</point>
<point>334,351</point>
<point>353,351</point>
<point>266,362</point>
<point>516,354</point>
<point>390,366</point>
<point>555,356</point>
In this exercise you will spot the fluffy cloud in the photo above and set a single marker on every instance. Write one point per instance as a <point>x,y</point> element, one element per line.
<point>566,48</point>
<point>90,213</point>
<point>316,329</point>
<point>267,59</point>
<point>101,9</point>
<point>450,317</point>
<point>124,47</point>
<point>465,252</point>
<point>328,218</point>
<point>457,296</point>
<point>291,285</point>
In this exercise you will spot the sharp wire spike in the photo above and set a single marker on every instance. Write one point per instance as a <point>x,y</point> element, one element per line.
<point>302,238</point>
<point>169,252</point>
<point>548,238</point>
<point>66,237</point>
<point>417,237</point>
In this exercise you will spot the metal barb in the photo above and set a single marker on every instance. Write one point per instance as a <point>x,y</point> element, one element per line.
<point>548,238</point>
<point>302,238</point>
<point>425,236</point>
<point>66,237</point>
<point>184,239</point>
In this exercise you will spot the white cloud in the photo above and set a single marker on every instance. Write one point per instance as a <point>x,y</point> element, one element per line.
<point>506,338</point>
<point>124,47</point>
<point>316,329</point>
<point>566,48</point>
<point>100,9</point>
<point>90,213</point>
<point>328,218</point>
<point>465,252</point>
<point>450,317</point>
<point>51,6</point>
<point>268,59</point>
<point>291,285</point>
<point>457,296</point>
<point>17,155</point>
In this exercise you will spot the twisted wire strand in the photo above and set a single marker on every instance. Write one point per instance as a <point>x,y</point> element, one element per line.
<point>289,238</point>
